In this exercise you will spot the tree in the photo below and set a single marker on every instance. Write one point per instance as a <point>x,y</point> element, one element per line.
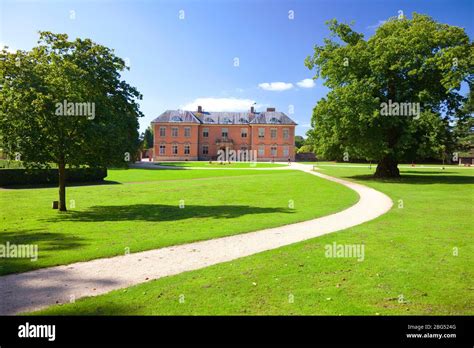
<point>299,141</point>
<point>391,97</point>
<point>148,138</point>
<point>305,149</point>
<point>463,131</point>
<point>64,102</point>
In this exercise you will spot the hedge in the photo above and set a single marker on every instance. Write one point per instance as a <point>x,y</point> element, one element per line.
<point>50,176</point>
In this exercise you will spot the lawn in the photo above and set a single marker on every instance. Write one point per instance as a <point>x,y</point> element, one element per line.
<point>143,175</point>
<point>418,260</point>
<point>140,210</point>
<point>414,166</point>
<point>221,165</point>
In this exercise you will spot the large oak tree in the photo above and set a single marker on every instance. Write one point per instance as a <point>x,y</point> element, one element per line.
<point>412,61</point>
<point>33,85</point>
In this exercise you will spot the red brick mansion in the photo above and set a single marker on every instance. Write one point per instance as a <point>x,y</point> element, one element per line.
<point>199,135</point>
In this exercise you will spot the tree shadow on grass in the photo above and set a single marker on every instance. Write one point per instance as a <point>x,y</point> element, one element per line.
<point>23,291</point>
<point>420,179</point>
<point>422,171</point>
<point>52,241</point>
<point>69,184</point>
<point>162,212</point>
<point>45,242</point>
<point>101,309</point>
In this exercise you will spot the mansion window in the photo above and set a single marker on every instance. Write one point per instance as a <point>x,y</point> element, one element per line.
<point>225,132</point>
<point>174,148</point>
<point>243,132</point>
<point>286,133</point>
<point>273,150</point>
<point>205,149</point>
<point>162,131</point>
<point>187,132</point>
<point>162,149</point>
<point>261,132</point>
<point>273,133</point>
<point>261,150</point>
<point>174,131</point>
<point>186,149</point>
<point>286,150</point>
<point>205,132</point>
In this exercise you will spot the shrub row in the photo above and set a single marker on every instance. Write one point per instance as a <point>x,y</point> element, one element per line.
<point>50,176</point>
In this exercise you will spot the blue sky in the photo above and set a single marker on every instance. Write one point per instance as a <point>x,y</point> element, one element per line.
<point>178,62</point>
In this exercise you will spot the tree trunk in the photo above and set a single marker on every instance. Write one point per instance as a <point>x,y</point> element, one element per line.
<point>387,167</point>
<point>62,184</point>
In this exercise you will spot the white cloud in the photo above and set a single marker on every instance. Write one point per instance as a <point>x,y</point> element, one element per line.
<point>219,104</point>
<point>306,83</point>
<point>375,26</point>
<point>275,86</point>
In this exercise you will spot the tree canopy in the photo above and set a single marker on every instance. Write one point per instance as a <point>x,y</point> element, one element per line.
<point>65,102</point>
<point>148,138</point>
<point>463,131</point>
<point>412,68</point>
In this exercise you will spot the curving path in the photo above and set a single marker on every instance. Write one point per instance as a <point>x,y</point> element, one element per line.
<point>34,290</point>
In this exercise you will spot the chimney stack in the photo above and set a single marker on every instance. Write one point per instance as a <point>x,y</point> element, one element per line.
<point>200,109</point>
<point>270,109</point>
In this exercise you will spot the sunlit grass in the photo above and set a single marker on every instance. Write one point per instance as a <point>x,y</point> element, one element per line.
<point>418,260</point>
<point>140,210</point>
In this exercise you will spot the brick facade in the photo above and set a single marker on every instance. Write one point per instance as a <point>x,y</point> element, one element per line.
<point>186,135</point>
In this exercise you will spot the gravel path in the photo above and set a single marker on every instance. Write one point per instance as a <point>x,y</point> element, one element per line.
<point>38,289</point>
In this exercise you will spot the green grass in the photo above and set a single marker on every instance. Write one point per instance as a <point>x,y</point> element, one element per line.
<point>409,255</point>
<point>220,165</point>
<point>141,211</point>
<point>416,166</point>
<point>143,175</point>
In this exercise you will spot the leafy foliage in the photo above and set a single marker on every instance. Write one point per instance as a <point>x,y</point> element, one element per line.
<point>148,138</point>
<point>34,84</point>
<point>305,149</point>
<point>407,61</point>
<point>464,127</point>
<point>299,141</point>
